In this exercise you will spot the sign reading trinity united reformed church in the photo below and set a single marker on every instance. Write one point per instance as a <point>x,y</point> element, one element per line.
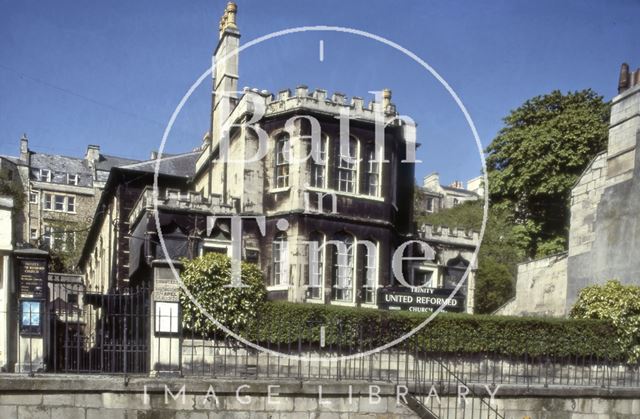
<point>421,299</point>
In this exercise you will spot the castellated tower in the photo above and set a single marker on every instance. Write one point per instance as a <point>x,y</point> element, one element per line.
<point>255,162</point>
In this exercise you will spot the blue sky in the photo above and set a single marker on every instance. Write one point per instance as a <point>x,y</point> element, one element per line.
<point>74,73</point>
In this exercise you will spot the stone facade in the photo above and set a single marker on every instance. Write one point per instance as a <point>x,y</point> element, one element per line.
<point>280,157</point>
<point>604,231</point>
<point>541,288</point>
<point>105,257</point>
<point>56,397</point>
<point>435,197</point>
<point>61,195</point>
<point>454,251</point>
<point>605,245</point>
<point>585,196</point>
<point>6,280</point>
<point>98,397</point>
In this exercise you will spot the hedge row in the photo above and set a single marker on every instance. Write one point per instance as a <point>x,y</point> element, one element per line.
<point>357,329</point>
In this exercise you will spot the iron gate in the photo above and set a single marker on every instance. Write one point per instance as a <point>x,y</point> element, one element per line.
<point>95,332</point>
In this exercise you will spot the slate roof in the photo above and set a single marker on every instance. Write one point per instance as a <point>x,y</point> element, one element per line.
<point>12,159</point>
<point>176,165</point>
<point>60,166</point>
<point>106,162</point>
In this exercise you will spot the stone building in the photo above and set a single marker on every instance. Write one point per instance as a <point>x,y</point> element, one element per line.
<point>351,197</point>
<point>105,257</point>
<point>435,197</point>
<point>61,194</point>
<point>6,280</point>
<point>604,233</point>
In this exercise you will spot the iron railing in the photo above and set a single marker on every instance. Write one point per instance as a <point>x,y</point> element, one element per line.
<point>89,331</point>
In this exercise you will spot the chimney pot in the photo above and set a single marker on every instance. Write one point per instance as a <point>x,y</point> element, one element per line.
<point>623,81</point>
<point>228,20</point>
<point>93,154</point>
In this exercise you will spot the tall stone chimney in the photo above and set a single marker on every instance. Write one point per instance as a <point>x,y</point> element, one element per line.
<point>225,77</point>
<point>92,155</point>
<point>24,149</point>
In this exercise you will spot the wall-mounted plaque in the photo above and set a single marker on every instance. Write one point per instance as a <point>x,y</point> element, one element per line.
<point>33,278</point>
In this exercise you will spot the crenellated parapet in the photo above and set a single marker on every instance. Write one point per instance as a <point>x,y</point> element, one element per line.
<point>319,101</point>
<point>444,234</point>
<point>176,200</point>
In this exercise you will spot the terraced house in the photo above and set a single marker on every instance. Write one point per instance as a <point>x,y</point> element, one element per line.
<point>60,195</point>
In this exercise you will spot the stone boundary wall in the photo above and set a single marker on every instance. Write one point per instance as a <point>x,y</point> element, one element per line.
<point>585,196</point>
<point>93,397</point>
<point>89,397</point>
<point>541,288</point>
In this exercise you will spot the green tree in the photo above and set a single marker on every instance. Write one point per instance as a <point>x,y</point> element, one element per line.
<point>617,303</point>
<point>207,278</point>
<point>68,239</point>
<point>467,215</point>
<point>538,155</point>
<point>502,248</point>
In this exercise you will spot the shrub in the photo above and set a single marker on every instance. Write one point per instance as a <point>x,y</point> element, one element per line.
<point>357,329</point>
<point>618,304</point>
<point>206,277</point>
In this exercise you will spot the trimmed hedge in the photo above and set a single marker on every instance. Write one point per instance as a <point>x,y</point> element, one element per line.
<point>357,329</point>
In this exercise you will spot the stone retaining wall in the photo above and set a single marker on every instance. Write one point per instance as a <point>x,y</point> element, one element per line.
<point>92,397</point>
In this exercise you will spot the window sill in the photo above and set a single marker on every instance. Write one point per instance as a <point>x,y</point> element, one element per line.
<point>314,301</point>
<point>60,211</point>
<point>347,194</point>
<point>277,190</point>
<point>369,305</point>
<point>342,303</point>
<point>278,287</point>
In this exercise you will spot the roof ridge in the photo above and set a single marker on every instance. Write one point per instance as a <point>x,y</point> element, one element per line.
<point>163,159</point>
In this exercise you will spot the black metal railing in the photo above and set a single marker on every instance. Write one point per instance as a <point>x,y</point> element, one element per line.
<point>217,354</point>
<point>91,331</point>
